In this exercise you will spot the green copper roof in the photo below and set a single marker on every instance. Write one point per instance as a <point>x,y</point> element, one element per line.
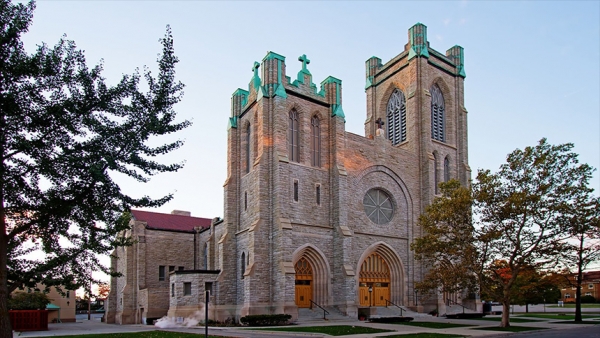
<point>272,55</point>
<point>418,41</point>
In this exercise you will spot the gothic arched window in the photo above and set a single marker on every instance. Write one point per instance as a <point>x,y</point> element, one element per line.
<point>396,117</point>
<point>435,173</point>
<point>446,169</point>
<point>293,139</point>
<point>248,144</point>
<point>315,142</point>
<point>243,264</point>
<point>438,129</point>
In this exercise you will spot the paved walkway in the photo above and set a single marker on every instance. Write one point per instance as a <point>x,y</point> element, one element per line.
<point>84,327</point>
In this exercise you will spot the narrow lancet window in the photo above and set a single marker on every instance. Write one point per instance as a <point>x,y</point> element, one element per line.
<point>248,149</point>
<point>293,139</point>
<point>446,169</point>
<point>396,117</point>
<point>315,142</point>
<point>438,129</point>
<point>435,174</point>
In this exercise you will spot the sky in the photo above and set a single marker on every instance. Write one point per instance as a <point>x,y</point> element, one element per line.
<point>533,68</point>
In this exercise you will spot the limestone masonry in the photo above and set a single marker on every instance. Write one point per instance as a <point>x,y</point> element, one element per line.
<point>314,214</point>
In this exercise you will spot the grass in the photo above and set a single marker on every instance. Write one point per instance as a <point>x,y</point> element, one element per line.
<point>512,319</point>
<point>424,335</point>
<point>510,328</point>
<point>557,316</point>
<point>432,325</point>
<point>145,334</point>
<point>572,306</point>
<point>337,330</point>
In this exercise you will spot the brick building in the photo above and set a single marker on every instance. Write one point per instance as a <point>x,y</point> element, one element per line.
<point>590,286</point>
<point>163,243</point>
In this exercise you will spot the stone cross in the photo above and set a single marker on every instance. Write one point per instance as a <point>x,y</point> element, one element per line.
<point>379,123</point>
<point>304,60</point>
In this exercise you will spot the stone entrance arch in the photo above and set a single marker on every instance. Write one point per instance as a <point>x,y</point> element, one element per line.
<point>310,256</point>
<point>381,272</point>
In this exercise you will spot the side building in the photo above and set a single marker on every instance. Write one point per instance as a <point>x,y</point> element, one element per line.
<point>590,286</point>
<point>164,243</point>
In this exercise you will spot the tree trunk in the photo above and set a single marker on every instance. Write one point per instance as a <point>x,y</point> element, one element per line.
<point>578,317</point>
<point>505,313</point>
<point>526,307</point>
<point>5,328</point>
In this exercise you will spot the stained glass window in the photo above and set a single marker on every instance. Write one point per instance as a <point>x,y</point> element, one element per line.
<point>378,206</point>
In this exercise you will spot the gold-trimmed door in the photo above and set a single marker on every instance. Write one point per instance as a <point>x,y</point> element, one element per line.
<point>374,281</point>
<point>304,280</point>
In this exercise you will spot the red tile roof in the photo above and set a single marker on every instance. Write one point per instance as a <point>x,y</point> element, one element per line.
<point>170,222</point>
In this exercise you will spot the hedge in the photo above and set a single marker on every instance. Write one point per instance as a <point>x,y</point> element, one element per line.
<point>266,320</point>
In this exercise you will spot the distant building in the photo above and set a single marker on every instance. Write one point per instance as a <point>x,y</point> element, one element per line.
<point>590,286</point>
<point>61,307</point>
<point>163,243</point>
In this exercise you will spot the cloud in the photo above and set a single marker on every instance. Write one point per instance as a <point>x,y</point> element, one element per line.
<point>447,22</point>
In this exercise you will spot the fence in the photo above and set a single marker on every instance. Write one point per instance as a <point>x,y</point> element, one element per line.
<point>29,320</point>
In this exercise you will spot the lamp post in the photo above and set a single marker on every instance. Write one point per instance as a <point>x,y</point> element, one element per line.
<point>370,291</point>
<point>416,298</point>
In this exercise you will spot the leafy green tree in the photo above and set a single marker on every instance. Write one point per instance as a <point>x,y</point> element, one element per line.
<point>519,211</point>
<point>28,301</point>
<point>581,219</point>
<point>447,247</point>
<point>64,135</point>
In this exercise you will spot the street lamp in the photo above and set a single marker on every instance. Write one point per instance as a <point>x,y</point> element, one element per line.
<point>370,291</point>
<point>416,298</point>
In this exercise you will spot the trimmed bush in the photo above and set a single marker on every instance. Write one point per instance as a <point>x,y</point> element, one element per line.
<point>587,299</point>
<point>28,301</point>
<point>266,320</point>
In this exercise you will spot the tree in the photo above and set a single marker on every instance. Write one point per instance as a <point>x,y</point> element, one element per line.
<point>519,211</point>
<point>447,247</point>
<point>103,290</point>
<point>581,219</point>
<point>530,286</point>
<point>64,135</point>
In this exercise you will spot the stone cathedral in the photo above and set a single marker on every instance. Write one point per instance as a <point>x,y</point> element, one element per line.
<point>317,215</point>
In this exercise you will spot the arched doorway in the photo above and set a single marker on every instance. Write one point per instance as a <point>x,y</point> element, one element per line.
<point>304,279</point>
<point>374,281</point>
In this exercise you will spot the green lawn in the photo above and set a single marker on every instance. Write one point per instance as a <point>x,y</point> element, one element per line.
<point>573,322</point>
<point>337,330</point>
<point>572,306</point>
<point>432,325</point>
<point>512,319</point>
<point>424,335</point>
<point>510,328</point>
<point>145,334</point>
<point>558,316</point>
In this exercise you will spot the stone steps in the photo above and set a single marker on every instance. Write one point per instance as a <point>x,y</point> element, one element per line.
<point>316,314</point>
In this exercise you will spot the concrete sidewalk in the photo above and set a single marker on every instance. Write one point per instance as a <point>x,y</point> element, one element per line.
<point>89,327</point>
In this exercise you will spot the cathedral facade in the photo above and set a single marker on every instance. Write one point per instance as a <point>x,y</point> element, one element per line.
<point>314,215</point>
<point>317,215</point>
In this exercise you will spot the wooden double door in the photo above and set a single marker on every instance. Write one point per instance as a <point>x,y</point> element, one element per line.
<point>374,282</point>
<point>377,296</point>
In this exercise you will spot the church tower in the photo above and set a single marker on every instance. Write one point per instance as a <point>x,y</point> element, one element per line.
<point>317,215</point>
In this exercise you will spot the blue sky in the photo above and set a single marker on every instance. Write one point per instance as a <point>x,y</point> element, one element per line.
<point>533,68</point>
